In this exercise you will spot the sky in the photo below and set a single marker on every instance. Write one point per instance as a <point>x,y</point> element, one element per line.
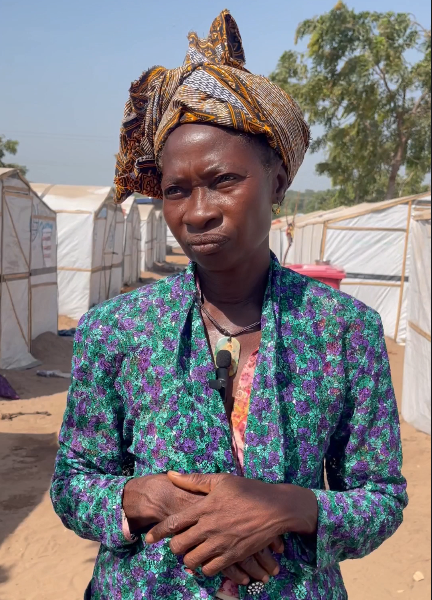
<point>66,68</point>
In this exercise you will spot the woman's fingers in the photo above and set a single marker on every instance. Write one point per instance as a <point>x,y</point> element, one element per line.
<point>255,570</point>
<point>172,525</point>
<point>182,543</point>
<point>268,562</point>
<point>195,482</point>
<point>201,556</point>
<point>236,574</point>
<point>278,545</point>
<point>220,564</point>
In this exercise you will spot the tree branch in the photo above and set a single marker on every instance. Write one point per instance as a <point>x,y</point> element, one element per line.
<point>419,25</point>
<point>383,76</point>
<point>419,102</point>
<point>405,182</point>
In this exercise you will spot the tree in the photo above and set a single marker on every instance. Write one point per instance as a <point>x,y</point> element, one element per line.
<point>365,79</point>
<point>9,147</point>
<point>307,201</point>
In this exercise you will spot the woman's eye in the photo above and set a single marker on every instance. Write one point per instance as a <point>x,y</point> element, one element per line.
<point>173,191</point>
<point>228,178</point>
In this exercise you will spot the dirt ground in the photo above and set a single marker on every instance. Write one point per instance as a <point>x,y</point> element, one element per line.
<point>40,560</point>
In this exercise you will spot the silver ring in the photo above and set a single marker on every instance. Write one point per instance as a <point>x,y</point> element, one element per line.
<point>256,588</point>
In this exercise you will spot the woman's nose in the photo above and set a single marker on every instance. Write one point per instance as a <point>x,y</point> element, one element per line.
<point>201,211</point>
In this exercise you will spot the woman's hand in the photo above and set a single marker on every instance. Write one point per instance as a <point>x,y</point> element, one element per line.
<point>152,499</point>
<point>238,519</point>
<point>258,567</point>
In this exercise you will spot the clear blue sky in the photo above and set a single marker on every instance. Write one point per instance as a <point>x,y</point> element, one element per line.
<point>66,67</point>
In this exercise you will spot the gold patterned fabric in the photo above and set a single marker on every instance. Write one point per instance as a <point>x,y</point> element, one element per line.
<point>211,87</point>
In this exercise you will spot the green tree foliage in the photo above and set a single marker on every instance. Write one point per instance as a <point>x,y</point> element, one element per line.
<point>365,80</point>
<point>307,201</point>
<point>9,147</point>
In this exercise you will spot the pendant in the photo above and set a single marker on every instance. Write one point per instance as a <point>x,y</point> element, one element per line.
<point>233,346</point>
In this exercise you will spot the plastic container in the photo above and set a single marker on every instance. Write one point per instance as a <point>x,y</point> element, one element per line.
<point>324,273</point>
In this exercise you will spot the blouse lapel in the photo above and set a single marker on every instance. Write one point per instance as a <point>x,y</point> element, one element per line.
<point>264,449</point>
<point>195,368</point>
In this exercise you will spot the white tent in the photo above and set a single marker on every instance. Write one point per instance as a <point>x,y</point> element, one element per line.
<point>171,241</point>
<point>279,237</point>
<point>281,230</point>
<point>370,242</point>
<point>132,242</point>
<point>28,270</point>
<point>90,245</point>
<point>416,403</point>
<point>161,237</point>
<point>148,236</point>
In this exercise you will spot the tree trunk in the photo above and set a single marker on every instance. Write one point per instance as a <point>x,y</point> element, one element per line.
<point>396,167</point>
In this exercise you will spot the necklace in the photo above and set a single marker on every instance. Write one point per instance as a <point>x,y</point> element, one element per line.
<point>229,341</point>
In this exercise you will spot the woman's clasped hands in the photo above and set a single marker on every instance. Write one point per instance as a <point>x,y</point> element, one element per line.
<point>235,524</point>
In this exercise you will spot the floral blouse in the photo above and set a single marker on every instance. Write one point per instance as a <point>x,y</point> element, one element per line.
<point>321,396</point>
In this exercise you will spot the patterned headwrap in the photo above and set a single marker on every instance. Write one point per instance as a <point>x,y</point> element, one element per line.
<point>211,87</point>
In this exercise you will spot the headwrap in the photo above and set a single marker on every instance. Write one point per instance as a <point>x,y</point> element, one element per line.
<point>211,87</point>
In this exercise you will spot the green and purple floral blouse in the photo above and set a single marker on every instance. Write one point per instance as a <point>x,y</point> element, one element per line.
<point>321,397</point>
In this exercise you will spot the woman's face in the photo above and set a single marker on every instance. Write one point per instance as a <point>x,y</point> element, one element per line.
<point>218,195</point>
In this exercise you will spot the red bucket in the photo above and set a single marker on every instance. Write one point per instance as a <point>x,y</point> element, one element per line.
<point>324,273</point>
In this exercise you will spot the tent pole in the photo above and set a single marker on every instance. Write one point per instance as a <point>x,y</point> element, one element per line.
<point>374,208</point>
<point>103,257</point>
<point>1,263</point>
<point>383,229</point>
<point>30,292</point>
<point>419,330</point>
<point>16,315</point>
<point>386,284</point>
<point>323,242</point>
<point>30,295</point>
<point>27,260</point>
<point>404,266</point>
<point>16,234</point>
<point>116,209</point>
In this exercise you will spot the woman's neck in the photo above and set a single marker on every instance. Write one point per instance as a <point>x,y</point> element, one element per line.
<point>243,285</point>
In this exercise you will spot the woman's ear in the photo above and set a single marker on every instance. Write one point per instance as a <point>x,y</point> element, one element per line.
<point>280,183</point>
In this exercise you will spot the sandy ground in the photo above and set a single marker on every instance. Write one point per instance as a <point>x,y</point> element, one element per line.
<point>40,560</point>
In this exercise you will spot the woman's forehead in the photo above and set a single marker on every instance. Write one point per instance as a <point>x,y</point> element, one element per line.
<point>202,133</point>
<point>206,144</point>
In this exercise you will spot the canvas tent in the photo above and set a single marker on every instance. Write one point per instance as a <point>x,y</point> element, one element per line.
<point>279,237</point>
<point>416,403</point>
<point>171,241</point>
<point>370,242</point>
<point>280,231</point>
<point>28,270</point>
<point>161,237</point>
<point>148,221</point>
<point>90,245</point>
<point>132,242</point>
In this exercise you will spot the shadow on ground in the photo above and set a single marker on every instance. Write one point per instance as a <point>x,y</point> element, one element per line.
<point>26,467</point>
<point>3,575</point>
<point>55,354</point>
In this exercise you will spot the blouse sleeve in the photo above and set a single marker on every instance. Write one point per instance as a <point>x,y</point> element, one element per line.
<point>87,487</point>
<point>367,496</point>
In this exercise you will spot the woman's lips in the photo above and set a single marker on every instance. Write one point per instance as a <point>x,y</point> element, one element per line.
<point>207,244</point>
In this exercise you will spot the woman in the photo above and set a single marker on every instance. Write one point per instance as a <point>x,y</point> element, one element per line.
<point>309,375</point>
